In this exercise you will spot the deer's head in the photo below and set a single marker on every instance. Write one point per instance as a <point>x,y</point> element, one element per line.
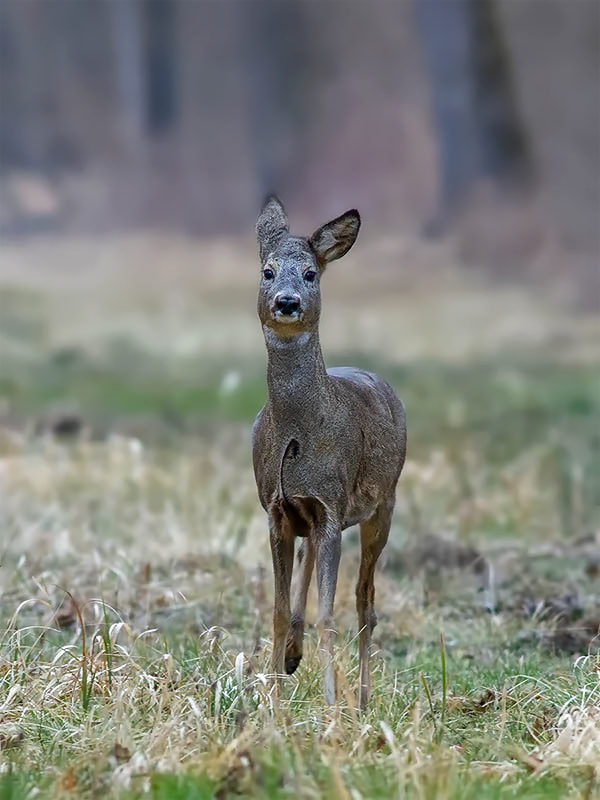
<point>289,297</point>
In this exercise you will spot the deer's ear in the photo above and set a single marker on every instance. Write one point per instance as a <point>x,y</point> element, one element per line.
<point>335,238</point>
<point>271,225</point>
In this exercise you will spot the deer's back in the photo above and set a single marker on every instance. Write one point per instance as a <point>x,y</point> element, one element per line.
<point>378,413</point>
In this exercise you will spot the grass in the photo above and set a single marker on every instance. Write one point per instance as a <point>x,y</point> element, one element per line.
<point>135,575</point>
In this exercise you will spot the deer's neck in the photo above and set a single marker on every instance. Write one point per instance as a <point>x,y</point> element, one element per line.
<point>296,378</point>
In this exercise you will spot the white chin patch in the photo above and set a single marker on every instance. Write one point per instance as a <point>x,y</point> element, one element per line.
<point>287,318</point>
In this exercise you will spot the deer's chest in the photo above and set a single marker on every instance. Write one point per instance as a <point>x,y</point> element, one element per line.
<point>303,463</point>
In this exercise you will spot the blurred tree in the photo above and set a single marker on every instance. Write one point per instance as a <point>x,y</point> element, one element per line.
<point>479,129</point>
<point>161,64</point>
<point>127,48</point>
<point>24,72</point>
<point>274,46</point>
<point>145,64</point>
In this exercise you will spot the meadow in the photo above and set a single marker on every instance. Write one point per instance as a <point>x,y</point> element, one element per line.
<point>135,576</point>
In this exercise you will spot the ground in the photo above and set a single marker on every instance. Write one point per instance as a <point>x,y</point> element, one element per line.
<point>135,574</point>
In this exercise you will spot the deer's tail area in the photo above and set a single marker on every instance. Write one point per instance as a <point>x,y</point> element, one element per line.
<point>301,513</point>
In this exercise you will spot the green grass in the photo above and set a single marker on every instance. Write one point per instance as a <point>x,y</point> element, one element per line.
<point>512,395</point>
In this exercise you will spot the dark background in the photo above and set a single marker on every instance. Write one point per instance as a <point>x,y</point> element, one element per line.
<point>427,115</point>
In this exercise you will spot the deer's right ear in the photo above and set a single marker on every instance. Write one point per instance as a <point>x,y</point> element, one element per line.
<point>271,225</point>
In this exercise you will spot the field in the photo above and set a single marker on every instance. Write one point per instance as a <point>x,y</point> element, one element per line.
<point>135,580</point>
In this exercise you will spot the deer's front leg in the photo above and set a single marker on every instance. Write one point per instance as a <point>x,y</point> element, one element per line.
<point>303,572</point>
<point>282,551</point>
<point>328,541</point>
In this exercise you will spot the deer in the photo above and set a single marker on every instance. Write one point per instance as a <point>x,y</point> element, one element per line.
<point>328,447</point>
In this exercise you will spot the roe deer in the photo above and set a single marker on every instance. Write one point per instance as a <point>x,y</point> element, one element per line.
<point>328,446</point>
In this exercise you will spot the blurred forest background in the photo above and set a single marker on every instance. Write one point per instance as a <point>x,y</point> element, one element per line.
<point>477,116</point>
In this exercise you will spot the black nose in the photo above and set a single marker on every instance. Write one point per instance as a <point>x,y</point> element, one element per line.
<point>287,305</point>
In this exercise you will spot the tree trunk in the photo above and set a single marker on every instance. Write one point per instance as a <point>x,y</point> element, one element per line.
<point>273,50</point>
<point>479,131</point>
<point>505,152</point>
<point>161,64</point>
<point>126,33</point>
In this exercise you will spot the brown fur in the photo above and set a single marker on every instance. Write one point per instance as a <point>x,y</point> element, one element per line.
<point>328,447</point>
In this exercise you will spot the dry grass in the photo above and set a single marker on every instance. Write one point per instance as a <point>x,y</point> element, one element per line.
<point>135,580</point>
<point>182,298</point>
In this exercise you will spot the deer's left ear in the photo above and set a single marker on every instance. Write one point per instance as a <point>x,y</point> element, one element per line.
<point>335,238</point>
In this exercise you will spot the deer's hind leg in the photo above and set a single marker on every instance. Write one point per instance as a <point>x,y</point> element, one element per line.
<point>305,561</point>
<point>374,534</point>
<point>328,543</point>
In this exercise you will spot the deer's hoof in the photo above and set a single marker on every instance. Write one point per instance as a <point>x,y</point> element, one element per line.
<point>291,664</point>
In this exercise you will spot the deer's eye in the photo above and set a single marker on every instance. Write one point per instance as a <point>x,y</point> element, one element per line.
<point>310,275</point>
<point>268,274</point>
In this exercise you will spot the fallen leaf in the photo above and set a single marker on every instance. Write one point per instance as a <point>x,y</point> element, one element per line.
<point>68,781</point>
<point>121,753</point>
<point>66,614</point>
<point>11,735</point>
